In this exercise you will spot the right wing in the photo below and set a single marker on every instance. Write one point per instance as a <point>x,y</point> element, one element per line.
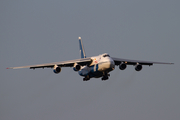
<point>69,63</point>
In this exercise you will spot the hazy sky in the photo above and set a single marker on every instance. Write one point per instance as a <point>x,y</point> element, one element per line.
<point>43,31</point>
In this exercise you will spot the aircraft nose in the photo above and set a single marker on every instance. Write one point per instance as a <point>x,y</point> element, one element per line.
<point>112,64</point>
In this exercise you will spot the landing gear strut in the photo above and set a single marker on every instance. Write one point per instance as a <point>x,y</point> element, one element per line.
<point>86,78</point>
<point>105,76</point>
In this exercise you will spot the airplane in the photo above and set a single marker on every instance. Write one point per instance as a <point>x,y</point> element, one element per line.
<point>93,67</point>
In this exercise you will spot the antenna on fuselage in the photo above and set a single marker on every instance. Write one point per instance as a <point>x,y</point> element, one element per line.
<point>82,52</point>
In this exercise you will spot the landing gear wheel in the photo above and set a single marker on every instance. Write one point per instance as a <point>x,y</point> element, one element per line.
<point>86,78</point>
<point>104,78</point>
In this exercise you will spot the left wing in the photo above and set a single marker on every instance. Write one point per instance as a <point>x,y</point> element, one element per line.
<point>118,61</point>
<point>69,63</point>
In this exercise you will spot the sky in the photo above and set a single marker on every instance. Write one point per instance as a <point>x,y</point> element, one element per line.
<point>44,31</point>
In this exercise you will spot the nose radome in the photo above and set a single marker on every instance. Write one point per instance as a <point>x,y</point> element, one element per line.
<point>112,64</point>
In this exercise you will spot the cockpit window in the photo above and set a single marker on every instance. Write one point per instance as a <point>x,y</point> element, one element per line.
<point>106,55</point>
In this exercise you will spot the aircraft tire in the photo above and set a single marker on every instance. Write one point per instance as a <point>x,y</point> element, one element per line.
<point>104,78</point>
<point>86,79</point>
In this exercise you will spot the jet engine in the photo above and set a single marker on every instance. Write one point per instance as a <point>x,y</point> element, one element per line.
<point>76,67</point>
<point>138,67</point>
<point>57,69</point>
<point>122,66</point>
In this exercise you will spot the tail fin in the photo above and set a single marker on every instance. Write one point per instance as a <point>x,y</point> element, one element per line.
<point>82,52</point>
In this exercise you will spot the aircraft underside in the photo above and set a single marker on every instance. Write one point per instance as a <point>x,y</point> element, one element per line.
<point>96,72</point>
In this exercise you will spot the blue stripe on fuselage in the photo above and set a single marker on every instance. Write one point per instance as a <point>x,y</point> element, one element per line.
<point>97,66</point>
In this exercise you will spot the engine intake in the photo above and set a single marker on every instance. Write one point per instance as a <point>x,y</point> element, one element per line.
<point>57,69</point>
<point>122,66</point>
<point>138,67</point>
<point>76,67</point>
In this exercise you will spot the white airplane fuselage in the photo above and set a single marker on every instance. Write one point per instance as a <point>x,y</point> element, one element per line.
<point>100,66</point>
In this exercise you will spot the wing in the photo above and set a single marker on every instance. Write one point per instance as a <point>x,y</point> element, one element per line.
<point>134,62</point>
<point>69,63</point>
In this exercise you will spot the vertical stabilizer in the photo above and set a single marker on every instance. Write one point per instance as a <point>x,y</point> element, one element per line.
<point>82,52</point>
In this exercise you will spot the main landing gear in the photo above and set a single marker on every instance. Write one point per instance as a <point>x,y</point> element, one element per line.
<point>86,78</point>
<point>105,77</point>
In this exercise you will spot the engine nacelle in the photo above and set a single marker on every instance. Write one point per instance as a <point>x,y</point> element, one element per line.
<point>122,66</point>
<point>76,67</point>
<point>56,69</point>
<point>138,67</point>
